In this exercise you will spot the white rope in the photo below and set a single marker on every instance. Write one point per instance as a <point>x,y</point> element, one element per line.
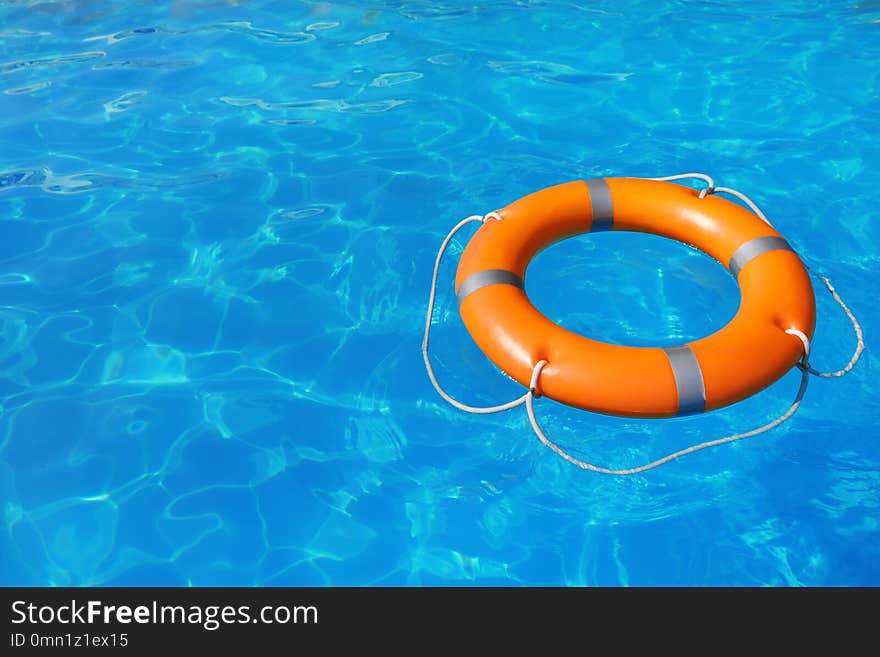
<point>529,397</point>
<point>426,341</point>
<point>585,465</point>
<point>699,176</point>
<point>804,363</point>
<point>857,329</point>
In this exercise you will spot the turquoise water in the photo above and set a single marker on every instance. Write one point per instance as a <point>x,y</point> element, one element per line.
<point>218,224</point>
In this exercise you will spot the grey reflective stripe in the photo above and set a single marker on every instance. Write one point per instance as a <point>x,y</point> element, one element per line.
<point>688,380</point>
<point>487,277</point>
<point>752,249</point>
<point>600,201</point>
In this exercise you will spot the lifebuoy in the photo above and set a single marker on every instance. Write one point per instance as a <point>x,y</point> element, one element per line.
<point>747,355</point>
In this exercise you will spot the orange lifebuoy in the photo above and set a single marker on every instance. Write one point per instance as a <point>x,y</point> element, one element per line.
<point>748,354</point>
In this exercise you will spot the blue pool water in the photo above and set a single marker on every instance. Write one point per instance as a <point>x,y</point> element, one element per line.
<point>217,227</point>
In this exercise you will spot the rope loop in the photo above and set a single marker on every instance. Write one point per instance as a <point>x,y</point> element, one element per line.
<point>586,465</point>
<point>708,189</point>
<point>857,329</point>
<point>427,339</point>
<point>536,372</point>
<point>804,363</point>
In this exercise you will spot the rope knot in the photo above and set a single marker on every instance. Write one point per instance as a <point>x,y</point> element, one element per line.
<point>804,363</point>
<point>536,372</point>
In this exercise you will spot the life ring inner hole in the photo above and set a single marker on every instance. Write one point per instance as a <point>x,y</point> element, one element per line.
<point>632,289</point>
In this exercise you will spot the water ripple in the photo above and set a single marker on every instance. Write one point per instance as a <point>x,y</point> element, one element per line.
<point>22,34</point>
<point>291,121</point>
<point>317,105</point>
<point>48,62</point>
<point>270,36</point>
<point>29,88</point>
<point>392,79</point>
<point>240,27</point>
<point>128,34</point>
<point>373,38</point>
<point>317,27</point>
<point>77,183</point>
<point>145,63</point>
<point>446,59</point>
<point>124,102</point>
<point>552,72</point>
<point>438,11</point>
